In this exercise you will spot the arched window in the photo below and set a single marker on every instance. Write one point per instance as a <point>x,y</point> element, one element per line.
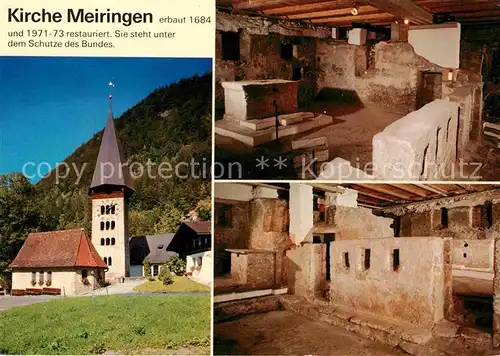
<point>112,241</point>
<point>49,278</point>
<point>155,270</point>
<point>109,261</point>
<point>200,261</point>
<point>105,260</point>
<point>102,209</point>
<point>107,225</point>
<point>107,241</point>
<point>112,209</point>
<point>108,209</point>
<point>84,273</point>
<point>112,224</point>
<point>102,225</point>
<point>102,241</point>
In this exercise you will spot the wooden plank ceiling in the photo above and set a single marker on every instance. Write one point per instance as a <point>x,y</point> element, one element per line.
<point>387,195</point>
<point>374,12</point>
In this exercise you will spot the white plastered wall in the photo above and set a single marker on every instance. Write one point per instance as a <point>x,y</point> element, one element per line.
<point>439,44</point>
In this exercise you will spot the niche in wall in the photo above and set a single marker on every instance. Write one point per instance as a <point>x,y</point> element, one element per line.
<point>430,88</point>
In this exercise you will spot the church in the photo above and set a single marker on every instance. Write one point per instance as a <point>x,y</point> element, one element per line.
<point>68,262</point>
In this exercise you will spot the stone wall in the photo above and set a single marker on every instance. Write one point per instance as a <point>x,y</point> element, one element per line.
<point>390,83</point>
<point>260,45</point>
<point>234,236</point>
<point>269,230</point>
<point>253,268</point>
<point>465,217</point>
<point>471,233</point>
<point>354,223</point>
<point>303,269</point>
<point>418,291</point>
<point>420,146</point>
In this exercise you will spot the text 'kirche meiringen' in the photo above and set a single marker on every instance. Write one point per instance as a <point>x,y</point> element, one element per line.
<point>79,16</point>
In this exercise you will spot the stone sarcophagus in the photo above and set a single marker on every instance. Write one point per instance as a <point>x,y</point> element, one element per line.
<point>254,99</point>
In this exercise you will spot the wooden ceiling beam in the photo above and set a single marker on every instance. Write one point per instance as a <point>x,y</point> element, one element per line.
<point>308,7</point>
<point>387,189</point>
<point>327,13</point>
<point>366,191</point>
<point>437,3</point>
<point>433,189</point>
<point>405,9</point>
<point>350,19</point>
<point>257,4</point>
<point>371,201</point>
<point>414,189</point>
<point>477,14</point>
<point>465,8</point>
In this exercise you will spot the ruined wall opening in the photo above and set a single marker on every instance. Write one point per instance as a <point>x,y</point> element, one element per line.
<point>395,259</point>
<point>487,214</point>
<point>286,50</point>
<point>367,259</point>
<point>346,260</point>
<point>230,46</point>
<point>328,239</point>
<point>429,88</point>
<point>424,162</point>
<point>444,218</point>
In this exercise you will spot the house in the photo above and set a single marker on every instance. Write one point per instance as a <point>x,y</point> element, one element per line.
<point>154,248</point>
<point>57,262</point>
<point>191,242</point>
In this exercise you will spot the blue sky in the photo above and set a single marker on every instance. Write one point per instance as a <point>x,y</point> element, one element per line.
<point>51,105</point>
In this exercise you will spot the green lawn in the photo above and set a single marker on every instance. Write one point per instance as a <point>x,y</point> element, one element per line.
<point>181,284</point>
<point>127,324</point>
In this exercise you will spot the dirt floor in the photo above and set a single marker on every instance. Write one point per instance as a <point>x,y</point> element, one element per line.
<point>287,333</point>
<point>349,137</point>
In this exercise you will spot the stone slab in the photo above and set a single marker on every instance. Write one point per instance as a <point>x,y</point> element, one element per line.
<point>254,138</point>
<point>310,142</point>
<point>284,120</point>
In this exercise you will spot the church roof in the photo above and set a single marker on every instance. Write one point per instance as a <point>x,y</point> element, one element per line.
<point>110,168</point>
<point>63,248</point>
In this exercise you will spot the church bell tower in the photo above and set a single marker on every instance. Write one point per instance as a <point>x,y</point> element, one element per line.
<point>109,192</point>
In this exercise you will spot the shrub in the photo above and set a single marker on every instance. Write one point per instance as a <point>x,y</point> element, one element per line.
<point>165,275</point>
<point>177,265</point>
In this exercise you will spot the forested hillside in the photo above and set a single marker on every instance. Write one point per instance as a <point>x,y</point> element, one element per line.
<point>172,124</point>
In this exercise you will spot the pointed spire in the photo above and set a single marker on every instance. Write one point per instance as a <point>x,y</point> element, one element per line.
<point>111,168</point>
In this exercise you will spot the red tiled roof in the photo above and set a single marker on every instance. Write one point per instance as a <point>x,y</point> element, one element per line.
<point>64,248</point>
<point>201,227</point>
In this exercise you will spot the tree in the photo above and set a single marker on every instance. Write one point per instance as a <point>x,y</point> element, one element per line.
<point>19,215</point>
<point>147,268</point>
<point>204,209</point>
<point>177,265</point>
<point>165,275</point>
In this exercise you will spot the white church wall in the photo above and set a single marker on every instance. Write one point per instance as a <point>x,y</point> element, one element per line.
<point>119,251</point>
<point>69,281</point>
